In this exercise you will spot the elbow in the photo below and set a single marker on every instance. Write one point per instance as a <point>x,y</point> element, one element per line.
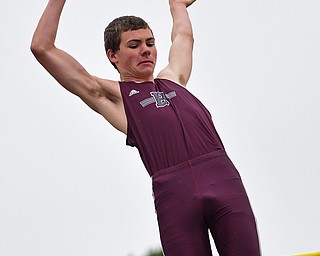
<point>184,35</point>
<point>39,48</point>
<point>188,34</point>
<point>191,38</point>
<point>35,45</point>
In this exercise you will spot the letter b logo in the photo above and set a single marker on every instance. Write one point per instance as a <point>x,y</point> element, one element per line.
<point>160,99</point>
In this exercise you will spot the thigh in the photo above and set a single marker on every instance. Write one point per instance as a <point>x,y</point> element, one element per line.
<point>234,228</point>
<point>227,208</point>
<point>179,213</point>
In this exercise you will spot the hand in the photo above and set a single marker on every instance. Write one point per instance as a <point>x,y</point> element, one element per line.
<point>185,2</point>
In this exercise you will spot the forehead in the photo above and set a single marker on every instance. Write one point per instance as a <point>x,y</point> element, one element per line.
<point>140,34</point>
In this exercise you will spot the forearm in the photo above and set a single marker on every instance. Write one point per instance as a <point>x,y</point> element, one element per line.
<point>181,21</point>
<point>46,31</point>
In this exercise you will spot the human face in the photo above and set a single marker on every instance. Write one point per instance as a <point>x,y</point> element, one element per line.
<point>137,55</point>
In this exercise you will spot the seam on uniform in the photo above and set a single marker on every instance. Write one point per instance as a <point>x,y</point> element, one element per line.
<point>195,183</point>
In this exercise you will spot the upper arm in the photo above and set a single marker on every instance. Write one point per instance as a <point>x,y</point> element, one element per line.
<point>67,71</point>
<point>103,96</point>
<point>180,55</point>
<point>180,60</point>
<point>70,74</point>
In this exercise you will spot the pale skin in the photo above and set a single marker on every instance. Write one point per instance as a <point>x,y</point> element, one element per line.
<point>135,60</point>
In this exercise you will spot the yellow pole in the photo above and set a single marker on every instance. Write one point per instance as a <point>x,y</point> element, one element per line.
<point>309,254</point>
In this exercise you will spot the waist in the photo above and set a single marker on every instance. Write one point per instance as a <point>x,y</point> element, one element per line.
<point>193,161</point>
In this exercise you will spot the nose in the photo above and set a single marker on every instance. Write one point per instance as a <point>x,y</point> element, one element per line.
<point>145,51</point>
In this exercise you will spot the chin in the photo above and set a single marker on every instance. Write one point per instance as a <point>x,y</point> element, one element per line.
<point>147,72</point>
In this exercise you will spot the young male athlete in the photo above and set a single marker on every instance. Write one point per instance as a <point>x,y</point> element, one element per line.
<point>196,187</point>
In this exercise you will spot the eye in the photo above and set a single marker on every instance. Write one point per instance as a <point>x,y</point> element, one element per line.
<point>150,42</point>
<point>133,46</point>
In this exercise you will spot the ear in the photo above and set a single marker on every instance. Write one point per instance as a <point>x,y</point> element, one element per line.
<point>112,56</point>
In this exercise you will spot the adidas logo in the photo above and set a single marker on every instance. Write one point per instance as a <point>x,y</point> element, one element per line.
<point>133,92</point>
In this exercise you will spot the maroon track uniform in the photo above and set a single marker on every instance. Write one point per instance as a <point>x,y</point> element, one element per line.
<point>196,186</point>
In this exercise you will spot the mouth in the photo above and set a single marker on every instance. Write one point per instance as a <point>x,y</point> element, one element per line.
<point>145,62</point>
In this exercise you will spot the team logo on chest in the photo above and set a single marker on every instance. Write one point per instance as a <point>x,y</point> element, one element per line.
<point>160,99</point>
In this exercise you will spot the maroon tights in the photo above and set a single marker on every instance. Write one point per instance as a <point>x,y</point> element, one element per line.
<point>204,194</point>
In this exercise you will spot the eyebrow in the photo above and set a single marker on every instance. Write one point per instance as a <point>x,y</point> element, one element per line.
<point>140,40</point>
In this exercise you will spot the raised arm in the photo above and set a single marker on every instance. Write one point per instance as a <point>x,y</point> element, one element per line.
<point>103,96</point>
<point>180,55</point>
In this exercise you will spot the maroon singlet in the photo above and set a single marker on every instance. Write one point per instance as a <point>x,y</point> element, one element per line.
<point>167,124</point>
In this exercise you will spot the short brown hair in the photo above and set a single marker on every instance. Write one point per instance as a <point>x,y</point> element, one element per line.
<point>112,33</point>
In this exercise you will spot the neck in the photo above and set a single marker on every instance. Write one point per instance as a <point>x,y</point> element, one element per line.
<point>137,79</point>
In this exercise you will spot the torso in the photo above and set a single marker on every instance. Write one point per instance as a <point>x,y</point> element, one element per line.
<point>166,123</point>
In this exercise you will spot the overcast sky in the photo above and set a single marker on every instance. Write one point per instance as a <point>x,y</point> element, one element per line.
<point>69,185</point>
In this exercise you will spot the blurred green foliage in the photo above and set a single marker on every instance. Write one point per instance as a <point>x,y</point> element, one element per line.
<point>155,253</point>
<point>152,252</point>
